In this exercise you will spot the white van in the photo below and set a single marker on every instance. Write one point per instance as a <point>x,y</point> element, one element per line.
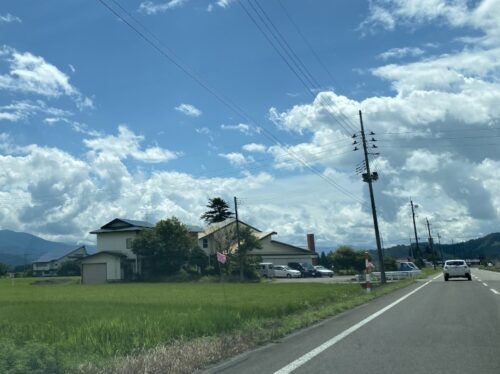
<point>266,269</point>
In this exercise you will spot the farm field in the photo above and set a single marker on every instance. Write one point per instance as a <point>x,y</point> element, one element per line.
<point>70,324</point>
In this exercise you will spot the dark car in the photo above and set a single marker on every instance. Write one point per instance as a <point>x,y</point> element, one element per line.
<point>306,269</point>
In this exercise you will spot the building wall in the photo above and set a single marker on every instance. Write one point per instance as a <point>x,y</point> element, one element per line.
<point>116,241</point>
<point>113,267</point>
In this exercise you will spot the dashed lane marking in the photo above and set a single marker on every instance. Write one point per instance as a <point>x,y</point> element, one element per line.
<point>321,348</point>
<point>494,291</point>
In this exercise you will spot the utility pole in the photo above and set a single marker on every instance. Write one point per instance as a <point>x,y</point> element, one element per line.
<point>440,249</point>
<point>417,250</point>
<point>237,222</point>
<point>369,177</point>
<point>431,242</point>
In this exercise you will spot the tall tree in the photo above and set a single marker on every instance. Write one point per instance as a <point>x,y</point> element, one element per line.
<point>165,248</point>
<point>218,211</point>
<point>248,242</point>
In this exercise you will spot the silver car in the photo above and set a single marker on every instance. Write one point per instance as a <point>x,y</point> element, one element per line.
<point>321,271</point>
<point>456,269</point>
<point>284,271</point>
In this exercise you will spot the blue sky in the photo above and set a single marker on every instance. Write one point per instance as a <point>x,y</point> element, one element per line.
<point>96,123</point>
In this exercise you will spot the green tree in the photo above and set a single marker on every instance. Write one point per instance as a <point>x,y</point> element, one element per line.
<point>248,242</point>
<point>69,268</point>
<point>4,269</point>
<point>198,258</point>
<point>390,264</point>
<point>165,248</point>
<point>218,211</point>
<point>346,258</point>
<point>323,260</point>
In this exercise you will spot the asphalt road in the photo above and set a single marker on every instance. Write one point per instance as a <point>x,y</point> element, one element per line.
<point>430,327</point>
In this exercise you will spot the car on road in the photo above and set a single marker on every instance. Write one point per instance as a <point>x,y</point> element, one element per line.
<point>305,268</point>
<point>456,269</point>
<point>283,271</point>
<point>321,271</point>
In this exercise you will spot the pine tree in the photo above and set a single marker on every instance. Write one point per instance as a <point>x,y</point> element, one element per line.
<point>218,211</point>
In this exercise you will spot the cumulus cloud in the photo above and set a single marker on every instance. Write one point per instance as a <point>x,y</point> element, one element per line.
<point>127,144</point>
<point>188,110</point>
<point>150,7</point>
<point>234,158</point>
<point>254,147</point>
<point>31,74</point>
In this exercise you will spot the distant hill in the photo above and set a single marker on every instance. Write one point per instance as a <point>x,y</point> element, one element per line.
<point>17,248</point>
<point>485,247</point>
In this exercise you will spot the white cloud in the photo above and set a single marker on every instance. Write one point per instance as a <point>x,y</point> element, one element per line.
<point>189,110</point>
<point>9,18</point>
<point>150,7</point>
<point>401,52</point>
<point>241,127</point>
<point>127,144</point>
<point>32,74</point>
<point>203,130</point>
<point>234,158</point>
<point>254,147</point>
<point>22,110</point>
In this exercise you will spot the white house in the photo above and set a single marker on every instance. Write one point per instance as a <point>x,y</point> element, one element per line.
<point>216,236</point>
<point>49,263</point>
<point>114,259</point>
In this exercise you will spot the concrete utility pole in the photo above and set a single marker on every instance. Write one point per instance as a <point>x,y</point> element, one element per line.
<point>417,250</point>
<point>237,222</point>
<point>440,249</point>
<point>431,241</point>
<point>369,177</point>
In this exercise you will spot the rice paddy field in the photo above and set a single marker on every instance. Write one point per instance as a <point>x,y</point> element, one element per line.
<point>68,324</point>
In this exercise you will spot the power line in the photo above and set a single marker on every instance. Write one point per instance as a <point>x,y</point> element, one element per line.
<point>298,68</point>
<point>229,104</point>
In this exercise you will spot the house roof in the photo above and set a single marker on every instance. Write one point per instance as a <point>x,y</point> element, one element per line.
<point>111,253</point>
<point>305,250</point>
<point>56,254</point>
<point>214,227</point>
<point>123,224</point>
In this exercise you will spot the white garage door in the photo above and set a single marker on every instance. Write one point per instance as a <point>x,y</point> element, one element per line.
<point>94,273</point>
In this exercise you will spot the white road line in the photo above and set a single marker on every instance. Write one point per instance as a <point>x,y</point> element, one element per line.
<point>485,284</point>
<point>316,351</point>
<point>494,291</point>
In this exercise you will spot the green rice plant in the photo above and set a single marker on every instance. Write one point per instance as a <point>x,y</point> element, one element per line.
<point>98,322</point>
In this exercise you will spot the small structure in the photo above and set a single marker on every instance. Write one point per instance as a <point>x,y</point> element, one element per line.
<point>216,236</point>
<point>49,263</point>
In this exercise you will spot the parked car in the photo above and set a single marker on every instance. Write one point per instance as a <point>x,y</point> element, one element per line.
<point>284,271</point>
<point>456,269</point>
<point>321,271</point>
<point>306,269</point>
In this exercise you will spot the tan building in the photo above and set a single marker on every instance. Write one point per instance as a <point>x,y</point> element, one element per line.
<point>216,236</point>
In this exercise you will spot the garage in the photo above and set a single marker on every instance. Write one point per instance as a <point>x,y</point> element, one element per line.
<point>94,273</point>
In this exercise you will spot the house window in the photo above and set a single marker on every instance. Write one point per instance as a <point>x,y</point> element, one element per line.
<point>129,243</point>
<point>205,243</point>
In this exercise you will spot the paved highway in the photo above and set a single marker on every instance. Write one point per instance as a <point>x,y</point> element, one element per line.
<point>430,327</point>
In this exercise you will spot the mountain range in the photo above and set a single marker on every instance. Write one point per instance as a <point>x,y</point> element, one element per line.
<point>18,248</point>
